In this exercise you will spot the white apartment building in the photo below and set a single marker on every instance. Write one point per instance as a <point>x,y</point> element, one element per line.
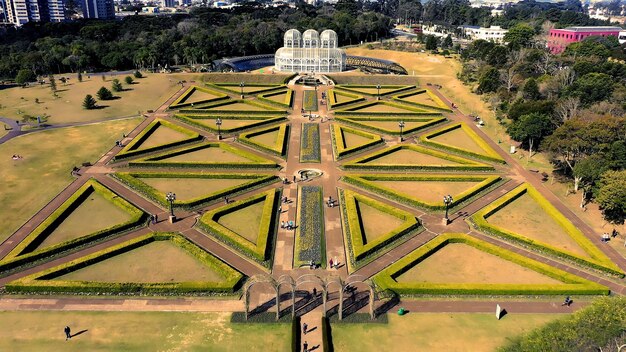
<point>493,33</point>
<point>20,12</point>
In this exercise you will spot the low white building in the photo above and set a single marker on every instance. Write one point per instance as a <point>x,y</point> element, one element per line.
<point>492,34</point>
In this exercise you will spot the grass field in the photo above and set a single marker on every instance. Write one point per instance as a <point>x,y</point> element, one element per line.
<point>460,263</point>
<point>430,191</point>
<point>435,332</point>
<point>525,217</point>
<point>148,93</point>
<point>123,331</point>
<point>420,98</point>
<point>189,188</point>
<point>245,221</point>
<point>392,124</point>
<point>268,138</point>
<point>145,264</point>
<point>209,154</point>
<point>235,106</point>
<point>28,184</point>
<point>460,139</point>
<point>352,140</point>
<point>375,223</point>
<point>381,108</point>
<point>161,135</point>
<point>3,129</point>
<point>409,157</point>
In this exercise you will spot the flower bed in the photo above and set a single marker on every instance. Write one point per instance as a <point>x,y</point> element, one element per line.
<point>598,261</point>
<point>310,143</point>
<point>309,239</point>
<point>42,282</point>
<point>310,100</point>
<point>572,284</point>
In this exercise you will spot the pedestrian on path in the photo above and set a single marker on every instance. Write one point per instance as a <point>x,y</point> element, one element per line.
<point>304,328</point>
<point>294,178</point>
<point>305,346</point>
<point>282,224</point>
<point>330,262</point>
<point>68,333</point>
<point>336,263</point>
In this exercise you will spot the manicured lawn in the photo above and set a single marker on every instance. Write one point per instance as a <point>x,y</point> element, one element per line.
<point>374,90</point>
<point>159,261</point>
<point>148,93</point>
<point>123,331</point>
<point>340,98</point>
<point>375,223</point>
<point>409,157</point>
<point>209,154</point>
<point>435,332</point>
<point>237,107</point>
<point>268,138</point>
<point>279,98</point>
<point>245,221</point>
<point>458,138</point>
<point>351,140</point>
<point>28,184</point>
<point>429,191</point>
<point>189,188</point>
<point>162,135</point>
<point>460,263</point>
<point>381,108</point>
<point>525,217</point>
<point>226,123</point>
<point>197,96</point>
<point>420,98</point>
<point>100,212</point>
<point>392,124</point>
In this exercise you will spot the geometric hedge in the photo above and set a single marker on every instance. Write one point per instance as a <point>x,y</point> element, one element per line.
<point>342,147</point>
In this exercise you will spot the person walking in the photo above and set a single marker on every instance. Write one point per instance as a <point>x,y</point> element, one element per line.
<point>156,218</point>
<point>305,346</point>
<point>304,328</point>
<point>330,262</point>
<point>68,333</point>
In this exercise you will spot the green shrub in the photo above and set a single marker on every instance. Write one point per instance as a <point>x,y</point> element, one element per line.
<point>116,86</point>
<point>296,335</point>
<point>598,261</point>
<point>280,145</point>
<point>129,80</point>
<point>104,94</point>
<point>43,282</point>
<point>89,103</point>
<point>327,336</point>
<point>572,284</point>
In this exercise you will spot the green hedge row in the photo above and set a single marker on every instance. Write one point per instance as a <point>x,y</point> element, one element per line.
<point>296,335</point>
<point>259,251</point>
<point>194,121</point>
<point>132,148</point>
<point>466,164</point>
<point>365,182</point>
<point>43,282</point>
<point>280,145</point>
<point>488,155</point>
<point>361,122</point>
<point>599,260</point>
<point>573,284</point>
<point>354,88</point>
<point>132,180</point>
<point>334,104</point>
<point>27,252</point>
<point>327,336</point>
<point>181,101</point>
<point>339,142</point>
<point>354,110</point>
<point>287,103</point>
<point>234,88</point>
<point>210,108</point>
<point>361,248</point>
<point>440,104</point>
<point>256,162</point>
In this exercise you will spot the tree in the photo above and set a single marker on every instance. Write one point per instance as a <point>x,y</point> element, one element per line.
<point>25,76</point>
<point>53,84</point>
<point>531,90</point>
<point>510,78</point>
<point>79,77</point>
<point>530,129</point>
<point>591,88</point>
<point>611,196</point>
<point>489,81</point>
<point>128,80</point>
<point>104,94</point>
<point>137,74</point>
<point>566,109</point>
<point>447,42</point>
<point>588,171</point>
<point>116,85</point>
<point>519,36</point>
<point>89,102</point>
<point>431,42</point>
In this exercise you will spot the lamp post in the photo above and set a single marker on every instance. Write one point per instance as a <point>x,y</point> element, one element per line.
<point>378,92</point>
<point>171,197</point>
<point>241,85</point>
<point>401,125</point>
<point>218,122</point>
<point>447,200</point>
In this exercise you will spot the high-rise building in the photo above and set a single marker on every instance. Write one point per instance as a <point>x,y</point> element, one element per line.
<point>104,9</point>
<point>23,11</point>
<point>168,3</point>
<point>3,16</point>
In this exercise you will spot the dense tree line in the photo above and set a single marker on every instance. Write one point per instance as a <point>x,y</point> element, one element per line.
<point>199,37</point>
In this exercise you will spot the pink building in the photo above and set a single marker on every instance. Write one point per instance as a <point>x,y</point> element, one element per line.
<point>558,39</point>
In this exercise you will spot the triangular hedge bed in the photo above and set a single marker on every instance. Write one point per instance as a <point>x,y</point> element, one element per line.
<point>181,102</point>
<point>279,148</point>
<point>369,123</point>
<point>341,149</point>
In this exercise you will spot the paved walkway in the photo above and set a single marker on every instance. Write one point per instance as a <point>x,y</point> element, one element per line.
<point>283,259</point>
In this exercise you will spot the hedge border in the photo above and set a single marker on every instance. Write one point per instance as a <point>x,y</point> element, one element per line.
<point>360,122</point>
<point>256,162</point>
<point>364,181</point>
<point>131,179</point>
<point>129,151</point>
<point>180,102</point>
<point>358,251</point>
<point>600,261</point>
<point>440,104</point>
<point>193,121</point>
<point>353,110</point>
<point>288,103</point>
<point>296,246</point>
<point>40,282</point>
<point>466,164</point>
<point>354,88</point>
<point>207,108</point>
<point>332,98</point>
<point>490,154</point>
<point>572,283</point>
<point>259,251</point>
<point>307,155</point>
<point>339,148</point>
<point>224,86</point>
<point>26,252</point>
<point>280,146</point>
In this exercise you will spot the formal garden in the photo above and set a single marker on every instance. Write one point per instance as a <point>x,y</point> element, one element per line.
<point>386,190</point>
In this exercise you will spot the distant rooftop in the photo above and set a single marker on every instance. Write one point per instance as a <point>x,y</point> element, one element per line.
<point>592,29</point>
